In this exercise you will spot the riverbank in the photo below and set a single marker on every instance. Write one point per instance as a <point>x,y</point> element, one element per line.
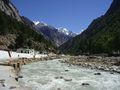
<point>110,64</point>
<point>10,69</point>
<point>8,79</point>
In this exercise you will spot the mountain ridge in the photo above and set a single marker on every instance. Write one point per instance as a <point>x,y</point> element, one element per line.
<point>56,35</point>
<point>102,35</point>
<point>114,6</point>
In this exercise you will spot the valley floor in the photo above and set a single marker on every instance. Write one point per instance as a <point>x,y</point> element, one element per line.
<point>67,73</point>
<point>53,75</point>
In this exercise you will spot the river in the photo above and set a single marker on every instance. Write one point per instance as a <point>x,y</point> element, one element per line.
<point>53,75</point>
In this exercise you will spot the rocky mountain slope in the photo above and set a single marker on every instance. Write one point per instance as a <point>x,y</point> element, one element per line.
<point>102,36</point>
<point>7,7</point>
<point>57,36</point>
<point>14,33</point>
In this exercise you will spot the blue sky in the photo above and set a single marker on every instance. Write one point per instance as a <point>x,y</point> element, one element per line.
<point>75,15</point>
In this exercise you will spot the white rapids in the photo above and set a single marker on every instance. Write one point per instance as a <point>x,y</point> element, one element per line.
<point>53,75</point>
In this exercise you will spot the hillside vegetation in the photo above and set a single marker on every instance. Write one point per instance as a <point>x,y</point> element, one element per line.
<point>15,34</point>
<point>102,36</point>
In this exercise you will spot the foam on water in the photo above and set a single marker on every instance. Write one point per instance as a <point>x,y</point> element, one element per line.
<point>45,75</point>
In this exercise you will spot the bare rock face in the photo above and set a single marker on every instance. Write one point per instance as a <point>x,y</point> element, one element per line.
<point>7,7</point>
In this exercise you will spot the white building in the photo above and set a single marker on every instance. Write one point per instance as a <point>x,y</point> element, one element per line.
<point>27,51</point>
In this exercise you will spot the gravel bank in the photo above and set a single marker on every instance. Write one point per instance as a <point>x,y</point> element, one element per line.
<point>111,64</point>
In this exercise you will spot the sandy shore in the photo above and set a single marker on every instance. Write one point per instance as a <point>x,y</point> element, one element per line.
<point>7,79</point>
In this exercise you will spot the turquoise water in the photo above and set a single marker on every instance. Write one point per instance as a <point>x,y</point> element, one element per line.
<point>52,75</point>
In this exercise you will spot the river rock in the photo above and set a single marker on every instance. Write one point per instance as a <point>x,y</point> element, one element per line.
<point>97,74</point>
<point>56,77</point>
<point>12,87</point>
<point>111,72</point>
<point>61,77</point>
<point>85,84</point>
<point>20,76</point>
<point>68,79</point>
<point>66,70</point>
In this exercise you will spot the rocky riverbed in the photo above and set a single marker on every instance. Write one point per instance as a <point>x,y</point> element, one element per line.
<point>111,64</point>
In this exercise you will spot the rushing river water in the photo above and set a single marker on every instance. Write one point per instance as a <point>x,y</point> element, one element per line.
<point>53,75</point>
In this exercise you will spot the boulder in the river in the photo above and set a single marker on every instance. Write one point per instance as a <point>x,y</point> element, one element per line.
<point>85,84</point>
<point>67,79</point>
<point>56,77</point>
<point>97,73</point>
<point>12,87</point>
<point>111,72</point>
<point>16,78</point>
<point>66,70</point>
<point>20,76</point>
<point>61,77</point>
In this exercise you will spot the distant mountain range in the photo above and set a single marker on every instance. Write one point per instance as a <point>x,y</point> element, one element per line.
<point>102,36</point>
<point>57,35</point>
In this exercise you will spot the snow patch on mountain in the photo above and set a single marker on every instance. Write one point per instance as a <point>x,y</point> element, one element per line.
<point>63,30</point>
<point>66,32</point>
<point>37,23</point>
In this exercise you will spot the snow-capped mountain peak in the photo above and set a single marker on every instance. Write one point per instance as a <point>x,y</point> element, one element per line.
<point>63,30</point>
<point>66,32</point>
<point>58,36</point>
